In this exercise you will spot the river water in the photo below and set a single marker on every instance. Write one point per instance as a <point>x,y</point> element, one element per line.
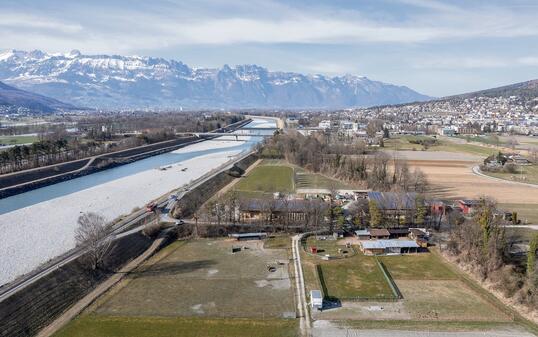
<point>38,225</point>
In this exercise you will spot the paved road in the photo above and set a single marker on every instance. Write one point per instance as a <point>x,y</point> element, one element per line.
<point>337,332</point>
<point>302,306</point>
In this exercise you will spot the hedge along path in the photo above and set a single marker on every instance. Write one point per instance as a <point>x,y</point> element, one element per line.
<point>77,308</point>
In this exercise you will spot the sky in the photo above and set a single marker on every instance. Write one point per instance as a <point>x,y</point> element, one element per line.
<point>436,47</point>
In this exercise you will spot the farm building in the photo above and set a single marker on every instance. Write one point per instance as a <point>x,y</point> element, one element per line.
<point>392,202</point>
<point>395,207</point>
<point>380,247</point>
<point>417,233</point>
<point>379,233</point>
<point>467,206</point>
<point>249,236</point>
<point>316,299</point>
<point>277,209</point>
<point>398,232</point>
<point>362,234</point>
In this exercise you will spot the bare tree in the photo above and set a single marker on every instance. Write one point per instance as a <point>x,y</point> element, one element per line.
<point>91,235</point>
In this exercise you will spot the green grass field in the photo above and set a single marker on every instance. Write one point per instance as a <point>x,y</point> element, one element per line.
<point>424,266</point>
<point>277,242</point>
<point>15,140</point>
<point>526,174</point>
<point>355,276</point>
<point>328,247</point>
<point>304,179</point>
<point>267,179</point>
<point>403,143</point>
<point>98,326</point>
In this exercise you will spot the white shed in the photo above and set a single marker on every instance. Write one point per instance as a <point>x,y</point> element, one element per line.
<point>316,299</point>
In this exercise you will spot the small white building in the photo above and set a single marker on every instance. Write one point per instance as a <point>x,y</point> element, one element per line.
<point>326,124</point>
<point>316,299</point>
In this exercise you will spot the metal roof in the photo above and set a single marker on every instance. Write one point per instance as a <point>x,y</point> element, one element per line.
<point>315,294</point>
<point>393,200</point>
<point>246,235</point>
<point>362,232</point>
<point>382,244</point>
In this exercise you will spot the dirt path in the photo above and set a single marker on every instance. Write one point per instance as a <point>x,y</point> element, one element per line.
<point>302,306</point>
<point>476,170</point>
<point>77,308</point>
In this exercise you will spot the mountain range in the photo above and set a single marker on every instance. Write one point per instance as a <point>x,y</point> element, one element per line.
<point>17,98</point>
<point>116,82</point>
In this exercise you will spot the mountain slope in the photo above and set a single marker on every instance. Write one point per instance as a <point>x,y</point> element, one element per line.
<point>525,90</point>
<point>126,82</point>
<point>13,97</point>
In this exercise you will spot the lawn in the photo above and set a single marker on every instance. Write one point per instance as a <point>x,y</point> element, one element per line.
<point>304,179</point>
<point>403,143</point>
<point>267,179</point>
<point>327,247</point>
<point>425,266</point>
<point>447,300</point>
<point>17,140</point>
<point>526,174</point>
<point>349,278</point>
<point>527,213</point>
<point>203,278</point>
<point>465,148</point>
<point>277,242</point>
<point>98,326</point>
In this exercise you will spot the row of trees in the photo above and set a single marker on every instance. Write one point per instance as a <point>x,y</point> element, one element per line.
<point>482,243</point>
<point>280,213</point>
<point>348,162</point>
<point>57,147</point>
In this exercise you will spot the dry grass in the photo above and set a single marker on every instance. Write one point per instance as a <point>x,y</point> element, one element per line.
<point>203,278</point>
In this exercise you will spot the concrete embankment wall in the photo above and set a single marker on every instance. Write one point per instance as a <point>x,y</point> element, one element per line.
<point>34,307</point>
<point>24,181</point>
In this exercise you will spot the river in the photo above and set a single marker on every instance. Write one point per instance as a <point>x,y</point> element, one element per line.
<point>39,225</point>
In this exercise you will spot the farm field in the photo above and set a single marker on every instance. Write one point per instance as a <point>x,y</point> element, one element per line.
<point>355,276</point>
<point>17,140</point>
<point>267,179</point>
<point>279,176</point>
<point>198,288</point>
<point>455,180</point>
<point>98,326</point>
<point>433,295</point>
<point>405,143</point>
<point>527,213</point>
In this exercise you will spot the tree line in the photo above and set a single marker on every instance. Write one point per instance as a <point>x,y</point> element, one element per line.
<point>483,244</point>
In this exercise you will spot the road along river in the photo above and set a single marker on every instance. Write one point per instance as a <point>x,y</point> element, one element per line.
<point>39,225</point>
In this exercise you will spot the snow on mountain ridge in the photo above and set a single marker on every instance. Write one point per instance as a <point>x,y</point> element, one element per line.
<point>135,81</point>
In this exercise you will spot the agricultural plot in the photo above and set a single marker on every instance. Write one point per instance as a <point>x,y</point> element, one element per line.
<point>307,180</point>
<point>357,276</point>
<point>267,179</point>
<point>17,140</point>
<point>98,326</point>
<point>525,174</point>
<point>432,293</point>
<point>198,288</point>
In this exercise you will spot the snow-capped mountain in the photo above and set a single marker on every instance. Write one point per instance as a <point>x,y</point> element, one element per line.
<point>134,82</point>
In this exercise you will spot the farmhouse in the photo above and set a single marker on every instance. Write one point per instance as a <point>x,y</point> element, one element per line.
<point>363,234</point>
<point>278,209</point>
<point>467,206</point>
<point>380,247</point>
<point>379,233</point>
<point>398,232</point>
